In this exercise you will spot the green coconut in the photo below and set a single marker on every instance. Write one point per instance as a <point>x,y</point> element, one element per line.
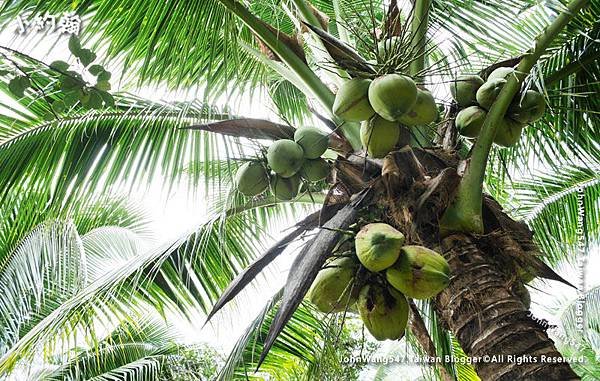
<point>529,107</point>
<point>508,132</point>
<point>488,92</point>
<point>501,73</point>
<point>352,101</point>
<point>419,272</point>
<point>384,311</point>
<point>469,121</point>
<point>379,136</point>
<point>313,141</point>
<point>378,246</point>
<point>314,170</point>
<point>285,188</point>
<point>285,157</point>
<point>424,111</point>
<point>251,179</point>
<point>389,47</point>
<point>392,95</point>
<point>464,88</point>
<point>333,289</point>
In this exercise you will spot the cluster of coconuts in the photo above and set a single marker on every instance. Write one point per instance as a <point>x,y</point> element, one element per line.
<point>475,97</point>
<point>288,162</point>
<point>395,271</point>
<point>382,105</point>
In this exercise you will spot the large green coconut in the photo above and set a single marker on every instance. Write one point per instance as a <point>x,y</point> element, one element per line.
<point>464,88</point>
<point>419,272</point>
<point>314,170</point>
<point>379,136</point>
<point>285,188</point>
<point>384,311</point>
<point>527,108</point>
<point>469,121</point>
<point>378,246</point>
<point>313,141</point>
<point>251,179</point>
<point>333,289</point>
<point>508,133</point>
<point>285,157</point>
<point>423,112</point>
<point>392,95</point>
<point>488,92</point>
<point>501,73</point>
<point>352,101</point>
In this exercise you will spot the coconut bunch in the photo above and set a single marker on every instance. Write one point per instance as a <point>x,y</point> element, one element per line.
<point>383,105</point>
<point>475,97</point>
<point>288,163</point>
<point>375,276</point>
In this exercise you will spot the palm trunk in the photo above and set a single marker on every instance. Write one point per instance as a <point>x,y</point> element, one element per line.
<point>488,319</point>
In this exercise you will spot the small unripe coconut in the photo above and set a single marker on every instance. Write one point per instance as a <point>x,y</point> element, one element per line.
<point>285,188</point>
<point>464,88</point>
<point>488,92</point>
<point>333,289</point>
<point>378,246</point>
<point>352,101</point>
<point>251,179</point>
<point>389,47</point>
<point>314,170</point>
<point>285,157</point>
<point>469,121</point>
<point>379,136</point>
<point>423,112</point>
<point>384,311</point>
<point>392,95</point>
<point>313,141</point>
<point>508,133</point>
<point>501,73</point>
<point>527,108</point>
<point>419,272</point>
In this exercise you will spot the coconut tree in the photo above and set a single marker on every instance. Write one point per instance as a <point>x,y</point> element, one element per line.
<point>440,190</point>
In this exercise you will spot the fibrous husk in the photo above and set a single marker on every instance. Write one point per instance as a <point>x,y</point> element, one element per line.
<point>384,311</point>
<point>424,111</point>
<point>488,92</point>
<point>527,108</point>
<point>378,246</point>
<point>501,73</point>
<point>464,88</point>
<point>379,136</point>
<point>470,120</point>
<point>313,141</point>
<point>333,289</point>
<point>251,179</point>
<point>392,95</point>
<point>352,101</point>
<point>285,188</point>
<point>508,132</point>
<point>285,157</point>
<point>314,170</point>
<point>419,272</point>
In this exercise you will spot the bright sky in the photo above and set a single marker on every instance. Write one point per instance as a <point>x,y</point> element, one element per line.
<point>173,214</point>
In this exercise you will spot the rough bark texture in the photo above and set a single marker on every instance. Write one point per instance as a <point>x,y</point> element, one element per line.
<point>489,319</point>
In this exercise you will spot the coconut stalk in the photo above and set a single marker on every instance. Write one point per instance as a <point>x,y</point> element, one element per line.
<point>464,214</point>
<point>308,77</point>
